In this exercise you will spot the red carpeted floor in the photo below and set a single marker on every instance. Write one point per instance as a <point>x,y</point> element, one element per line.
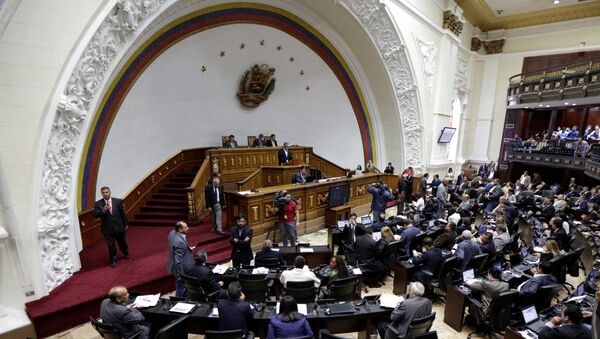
<point>71,303</point>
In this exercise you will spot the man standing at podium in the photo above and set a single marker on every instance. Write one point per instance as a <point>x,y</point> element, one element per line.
<point>285,155</point>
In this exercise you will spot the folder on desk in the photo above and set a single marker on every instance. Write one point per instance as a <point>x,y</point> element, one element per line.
<point>183,308</point>
<point>390,300</point>
<point>220,269</point>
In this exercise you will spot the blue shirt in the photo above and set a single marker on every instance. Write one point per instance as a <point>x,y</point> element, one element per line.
<point>292,329</point>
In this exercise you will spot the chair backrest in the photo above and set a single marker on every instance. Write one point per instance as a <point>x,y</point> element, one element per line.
<point>267,262</point>
<point>446,270</point>
<point>477,262</point>
<point>254,287</point>
<point>344,289</point>
<point>302,291</point>
<point>417,241</point>
<point>194,290</point>
<point>176,329</point>
<point>350,255</point>
<point>231,334</point>
<point>325,334</point>
<point>544,295</point>
<point>391,249</point>
<point>427,335</point>
<point>105,330</point>
<point>500,309</point>
<point>558,267</point>
<point>420,325</point>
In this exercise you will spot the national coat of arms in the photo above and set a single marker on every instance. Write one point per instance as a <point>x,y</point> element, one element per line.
<point>257,84</point>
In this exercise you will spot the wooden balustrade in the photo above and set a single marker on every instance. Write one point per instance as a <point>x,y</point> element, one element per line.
<point>326,167</point>
<point>254,180</point>
<point>195,192</point>
<point>185,160</point>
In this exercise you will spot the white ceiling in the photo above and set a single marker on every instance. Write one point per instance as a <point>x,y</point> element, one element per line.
<point>512,7</point>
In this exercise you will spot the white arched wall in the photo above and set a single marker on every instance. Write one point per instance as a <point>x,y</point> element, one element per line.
<point>174,105</point>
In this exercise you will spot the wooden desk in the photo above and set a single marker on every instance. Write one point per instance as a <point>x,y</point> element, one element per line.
<point>512,333</point>
<point>320,255</point>
<point>312,199</point>
<point>364,319</point>
<point>335,214</point>
<point>267,176</point>
<point>454,312</point>
<point>402,273</point>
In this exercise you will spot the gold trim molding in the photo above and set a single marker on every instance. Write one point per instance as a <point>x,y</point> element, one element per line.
<point>478,13</point>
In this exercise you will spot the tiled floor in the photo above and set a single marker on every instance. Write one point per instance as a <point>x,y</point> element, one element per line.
<point>318,238</point>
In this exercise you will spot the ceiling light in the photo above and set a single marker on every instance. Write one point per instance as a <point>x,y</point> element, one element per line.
<point>574,104</point>
<point>556,2</point>
<point>547,105</point>
<point>540,105</point>
<point>566,103</point>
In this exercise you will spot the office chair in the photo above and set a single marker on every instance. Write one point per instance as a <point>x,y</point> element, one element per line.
<point>499,313</point>
<point>231,334</point>
<point>256,287</point>
<point>344,289</point>
<point>390,253</point>
<point>420,325</point>
<point>350,255</point>
<point>477,262</point>
<point>544,295</point>
<point>105,330</point>
<point>572,263</point>
<point>195,291</point>
<point>267,262</point>
<point>443,278</point>
<point>325,334</point>
<point>303,291</point>
<point>176,329</point>
<point>558,268</point>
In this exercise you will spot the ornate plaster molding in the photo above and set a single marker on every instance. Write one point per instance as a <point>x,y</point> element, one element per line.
<point>428,53</point>
<point>460,76</point>
<point>114,34</point>
<point>374,17</point>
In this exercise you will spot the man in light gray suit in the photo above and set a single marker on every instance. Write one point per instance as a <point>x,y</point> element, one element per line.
<point>415,306</point>
<point>127,320</point>
<point>180,255</point>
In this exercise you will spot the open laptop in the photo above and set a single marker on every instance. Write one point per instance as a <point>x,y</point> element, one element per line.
<point>468,275</point>
<point>342,223</point>
<point>344,308</point>
<point>531,319</point>
<point>365,220</point>
<point>580,290</point>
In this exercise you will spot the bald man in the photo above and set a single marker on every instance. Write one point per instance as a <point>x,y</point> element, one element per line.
<point>126,319</point>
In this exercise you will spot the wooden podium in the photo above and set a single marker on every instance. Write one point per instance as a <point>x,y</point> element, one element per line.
<point>335,214</point>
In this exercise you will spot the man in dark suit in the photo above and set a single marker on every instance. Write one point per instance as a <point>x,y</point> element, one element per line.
<point>568,325</point>
<point>447,239</point>
<point>408,236</point>
<point>423,185</point>
<point>415,306</point>
<point>430,261</point>
<point>300,177</point>
<point>272,142</point>
<point>367,256</point>
<point>114,224</point>
<point>234,312</point>
<point>259,141</point>
<point>180,255</point>
<point>205,275</point>
<point>547,210</point>
<point>487,243</point>
<point>267,253</point>
<point>349,233</point>
<point>240,240</point>
<point>127,320</point>
<point>285,155</point>
<point>230,143</point>
<point>529,288</point>
<point>558,232</point>
<point>215,202</point>
<point>466,250</point>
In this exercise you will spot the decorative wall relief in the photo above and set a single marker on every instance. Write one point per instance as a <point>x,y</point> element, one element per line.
<point>256,85</point>
<point>428,53</point>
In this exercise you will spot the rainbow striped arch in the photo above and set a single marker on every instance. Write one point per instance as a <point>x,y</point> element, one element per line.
<point>193,23</point>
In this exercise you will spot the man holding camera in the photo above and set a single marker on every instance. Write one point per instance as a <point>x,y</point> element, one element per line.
<point>290,217</point>
<point>381,195</point>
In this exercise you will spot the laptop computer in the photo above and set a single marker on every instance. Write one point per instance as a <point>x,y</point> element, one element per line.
<point>345,308</point>
<point>468,275</point>
<point>580,290</point>
<point>365,220</point>
<point>531,319</point>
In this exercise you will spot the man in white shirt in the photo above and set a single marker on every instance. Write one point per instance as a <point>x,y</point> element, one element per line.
<point>299,273</point>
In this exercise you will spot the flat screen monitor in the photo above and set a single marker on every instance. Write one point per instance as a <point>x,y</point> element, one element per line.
<point>338,195</point>
<point>366,220</point>
<point>468,275</point>
<point>446,136</point>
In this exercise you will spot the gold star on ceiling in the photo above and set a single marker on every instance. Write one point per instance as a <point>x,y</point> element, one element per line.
<point>301,72</point>
<point>307,88</point>
<point>242,45</point>
<point>292,59</point>
<point>279,48</point>
<point>203,69</point>
<point>222,54</point>
<point>262,42</point>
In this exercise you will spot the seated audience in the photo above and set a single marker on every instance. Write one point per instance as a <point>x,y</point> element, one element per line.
<point>205,275</point>
<point>490,287</point>
<point>447,239</point>
<point>288,323</point>
<point>551,251</point>
<point>466,250</point>
<point>429,261</point>
<point>234,312</point>
<point>567,326</point>
<point>259,141</point>
<point>408,235</point>
<point>386,237</point>
<point>415,306</point>
<point>267,253</point>
<point>367,256</point>
<point>230,142</point>
<point>389,169</point>
<point>558,233</point>
<point>336,269</point>
<point>127,320</point>
<point>299,273</point>
<point>486,244</point>
<point>541,277</point>
<point>501,238</point>
<point>379,223</point>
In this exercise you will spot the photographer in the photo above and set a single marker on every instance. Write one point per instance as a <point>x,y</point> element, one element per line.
<point>381,195</point>
<point>288,209</point>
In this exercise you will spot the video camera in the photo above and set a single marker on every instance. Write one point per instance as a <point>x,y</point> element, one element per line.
<point>382,185</point>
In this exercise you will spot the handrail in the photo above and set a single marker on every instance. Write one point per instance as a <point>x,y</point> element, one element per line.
<point>335,169</point>
<point>195,192</point>
<point>242,184</point>
<point>557,71</point>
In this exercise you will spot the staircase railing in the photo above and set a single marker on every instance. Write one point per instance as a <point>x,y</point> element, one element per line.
<point>195,192</point>
<point>326,167</point>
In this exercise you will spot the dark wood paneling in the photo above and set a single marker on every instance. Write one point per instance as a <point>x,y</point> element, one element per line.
<point>544,62</point>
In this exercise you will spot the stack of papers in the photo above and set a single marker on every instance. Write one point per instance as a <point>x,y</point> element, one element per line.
<point>148,300</point>
<point>390,300</point>
<point>260,270</point>
<point>184,308</point>
<point>302,308</point>
<point>306,250</point>
<point>220,269</point>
